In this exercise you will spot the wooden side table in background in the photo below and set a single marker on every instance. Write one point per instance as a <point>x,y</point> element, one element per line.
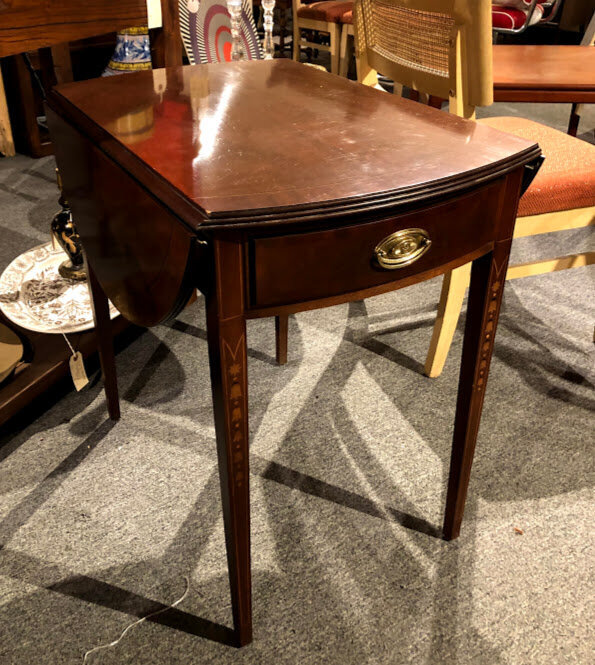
<point>544,73</point>
<point>49,26</point>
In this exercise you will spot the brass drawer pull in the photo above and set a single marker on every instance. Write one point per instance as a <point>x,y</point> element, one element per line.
<point>402,248</point>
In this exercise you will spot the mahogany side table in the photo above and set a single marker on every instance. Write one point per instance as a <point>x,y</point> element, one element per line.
<point>544,73</point>
<point>275,188</point>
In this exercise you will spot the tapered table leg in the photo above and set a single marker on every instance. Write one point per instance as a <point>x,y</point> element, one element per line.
<point>574,119</point>
<point>281,335</point>
<point>105,342</point>
<point>485,296</point>
<point>226,332</point>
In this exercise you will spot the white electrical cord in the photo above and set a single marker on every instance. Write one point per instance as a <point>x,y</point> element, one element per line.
<point>135,623</point>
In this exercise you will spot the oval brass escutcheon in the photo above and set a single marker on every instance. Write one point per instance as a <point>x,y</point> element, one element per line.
<point>402,248</point>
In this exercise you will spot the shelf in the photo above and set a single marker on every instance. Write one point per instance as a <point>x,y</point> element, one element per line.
<point>46,364</point>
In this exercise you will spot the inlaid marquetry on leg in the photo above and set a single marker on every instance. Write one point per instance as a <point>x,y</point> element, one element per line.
<point>488,275</point>
<point>105,342</point>
<point>226,329</point>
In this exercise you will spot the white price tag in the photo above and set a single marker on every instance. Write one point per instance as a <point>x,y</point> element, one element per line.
<point>77,370</point>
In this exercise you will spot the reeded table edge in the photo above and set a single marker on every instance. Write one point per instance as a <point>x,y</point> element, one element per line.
<point>183,207</point>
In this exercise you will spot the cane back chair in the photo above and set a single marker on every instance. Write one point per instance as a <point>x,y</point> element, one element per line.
<point>444,48</point>
<point>423,44</point>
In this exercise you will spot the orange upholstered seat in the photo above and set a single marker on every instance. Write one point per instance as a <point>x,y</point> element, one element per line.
<point>330,11</point>
<point>566,180</point>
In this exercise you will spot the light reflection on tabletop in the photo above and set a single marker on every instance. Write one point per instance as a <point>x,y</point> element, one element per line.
<point>251,130</point>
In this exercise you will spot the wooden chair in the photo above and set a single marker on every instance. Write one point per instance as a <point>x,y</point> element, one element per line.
<point>443,48</point>
<point>423,44</point>
<point>346,45</point>
<point>6,139</point>
<point>506,18</point>
<point>320,17</point>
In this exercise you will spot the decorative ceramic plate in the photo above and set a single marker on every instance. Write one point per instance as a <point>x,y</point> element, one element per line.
<point>206,31</point>
<point>35,296</point>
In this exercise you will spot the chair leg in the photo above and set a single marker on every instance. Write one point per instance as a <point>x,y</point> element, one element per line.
<point>281,337</point>
<point>346,51</point>
<point>575,117</point>
<point>335,38</point>
<point>6,140</point>
<point>365,74</point>
<point>551,265</point>
<point>449,308</point>
<point>105,342</point>
<point>297,35</point>
<point>282,30</point>
<point>343,64</point>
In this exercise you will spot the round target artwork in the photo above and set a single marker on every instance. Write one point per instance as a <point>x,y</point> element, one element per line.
<point>206,31</point>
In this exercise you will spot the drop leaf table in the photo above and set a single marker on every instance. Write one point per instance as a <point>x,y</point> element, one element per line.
<point>273,188</point>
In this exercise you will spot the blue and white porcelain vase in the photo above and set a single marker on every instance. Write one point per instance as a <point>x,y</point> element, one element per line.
<point>132,52</point>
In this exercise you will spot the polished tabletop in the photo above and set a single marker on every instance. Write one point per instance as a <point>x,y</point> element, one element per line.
<point>271,135</point>
<point>144,157</point>
<point>544,67</point>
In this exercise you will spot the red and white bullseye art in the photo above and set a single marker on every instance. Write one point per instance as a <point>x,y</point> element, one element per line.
<point>206,31</point>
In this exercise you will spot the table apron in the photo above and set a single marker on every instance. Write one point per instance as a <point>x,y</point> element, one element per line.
<point>545,96</point>
<point>362,294</point>
<point>345,261</point>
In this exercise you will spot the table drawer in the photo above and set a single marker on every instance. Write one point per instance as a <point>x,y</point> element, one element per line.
<point>319,264</point>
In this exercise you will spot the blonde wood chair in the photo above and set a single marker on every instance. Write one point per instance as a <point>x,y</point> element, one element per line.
<point>6,140</point>
<point>320,17</point>
<point>423,44</point>
<point>346,47</point>
<point>444,48</point>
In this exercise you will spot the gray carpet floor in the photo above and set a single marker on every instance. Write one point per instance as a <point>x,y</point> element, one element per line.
<point>100,524</point>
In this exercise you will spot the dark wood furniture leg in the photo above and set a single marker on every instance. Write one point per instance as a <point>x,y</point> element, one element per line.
<point>435,102</point>
<point>574,120</point>
<point>485,296</point>
<point>282,28</point>
<point>226,334</point>
<point>281,335</point>
<point>23,100</point>
<point>105,342</point>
